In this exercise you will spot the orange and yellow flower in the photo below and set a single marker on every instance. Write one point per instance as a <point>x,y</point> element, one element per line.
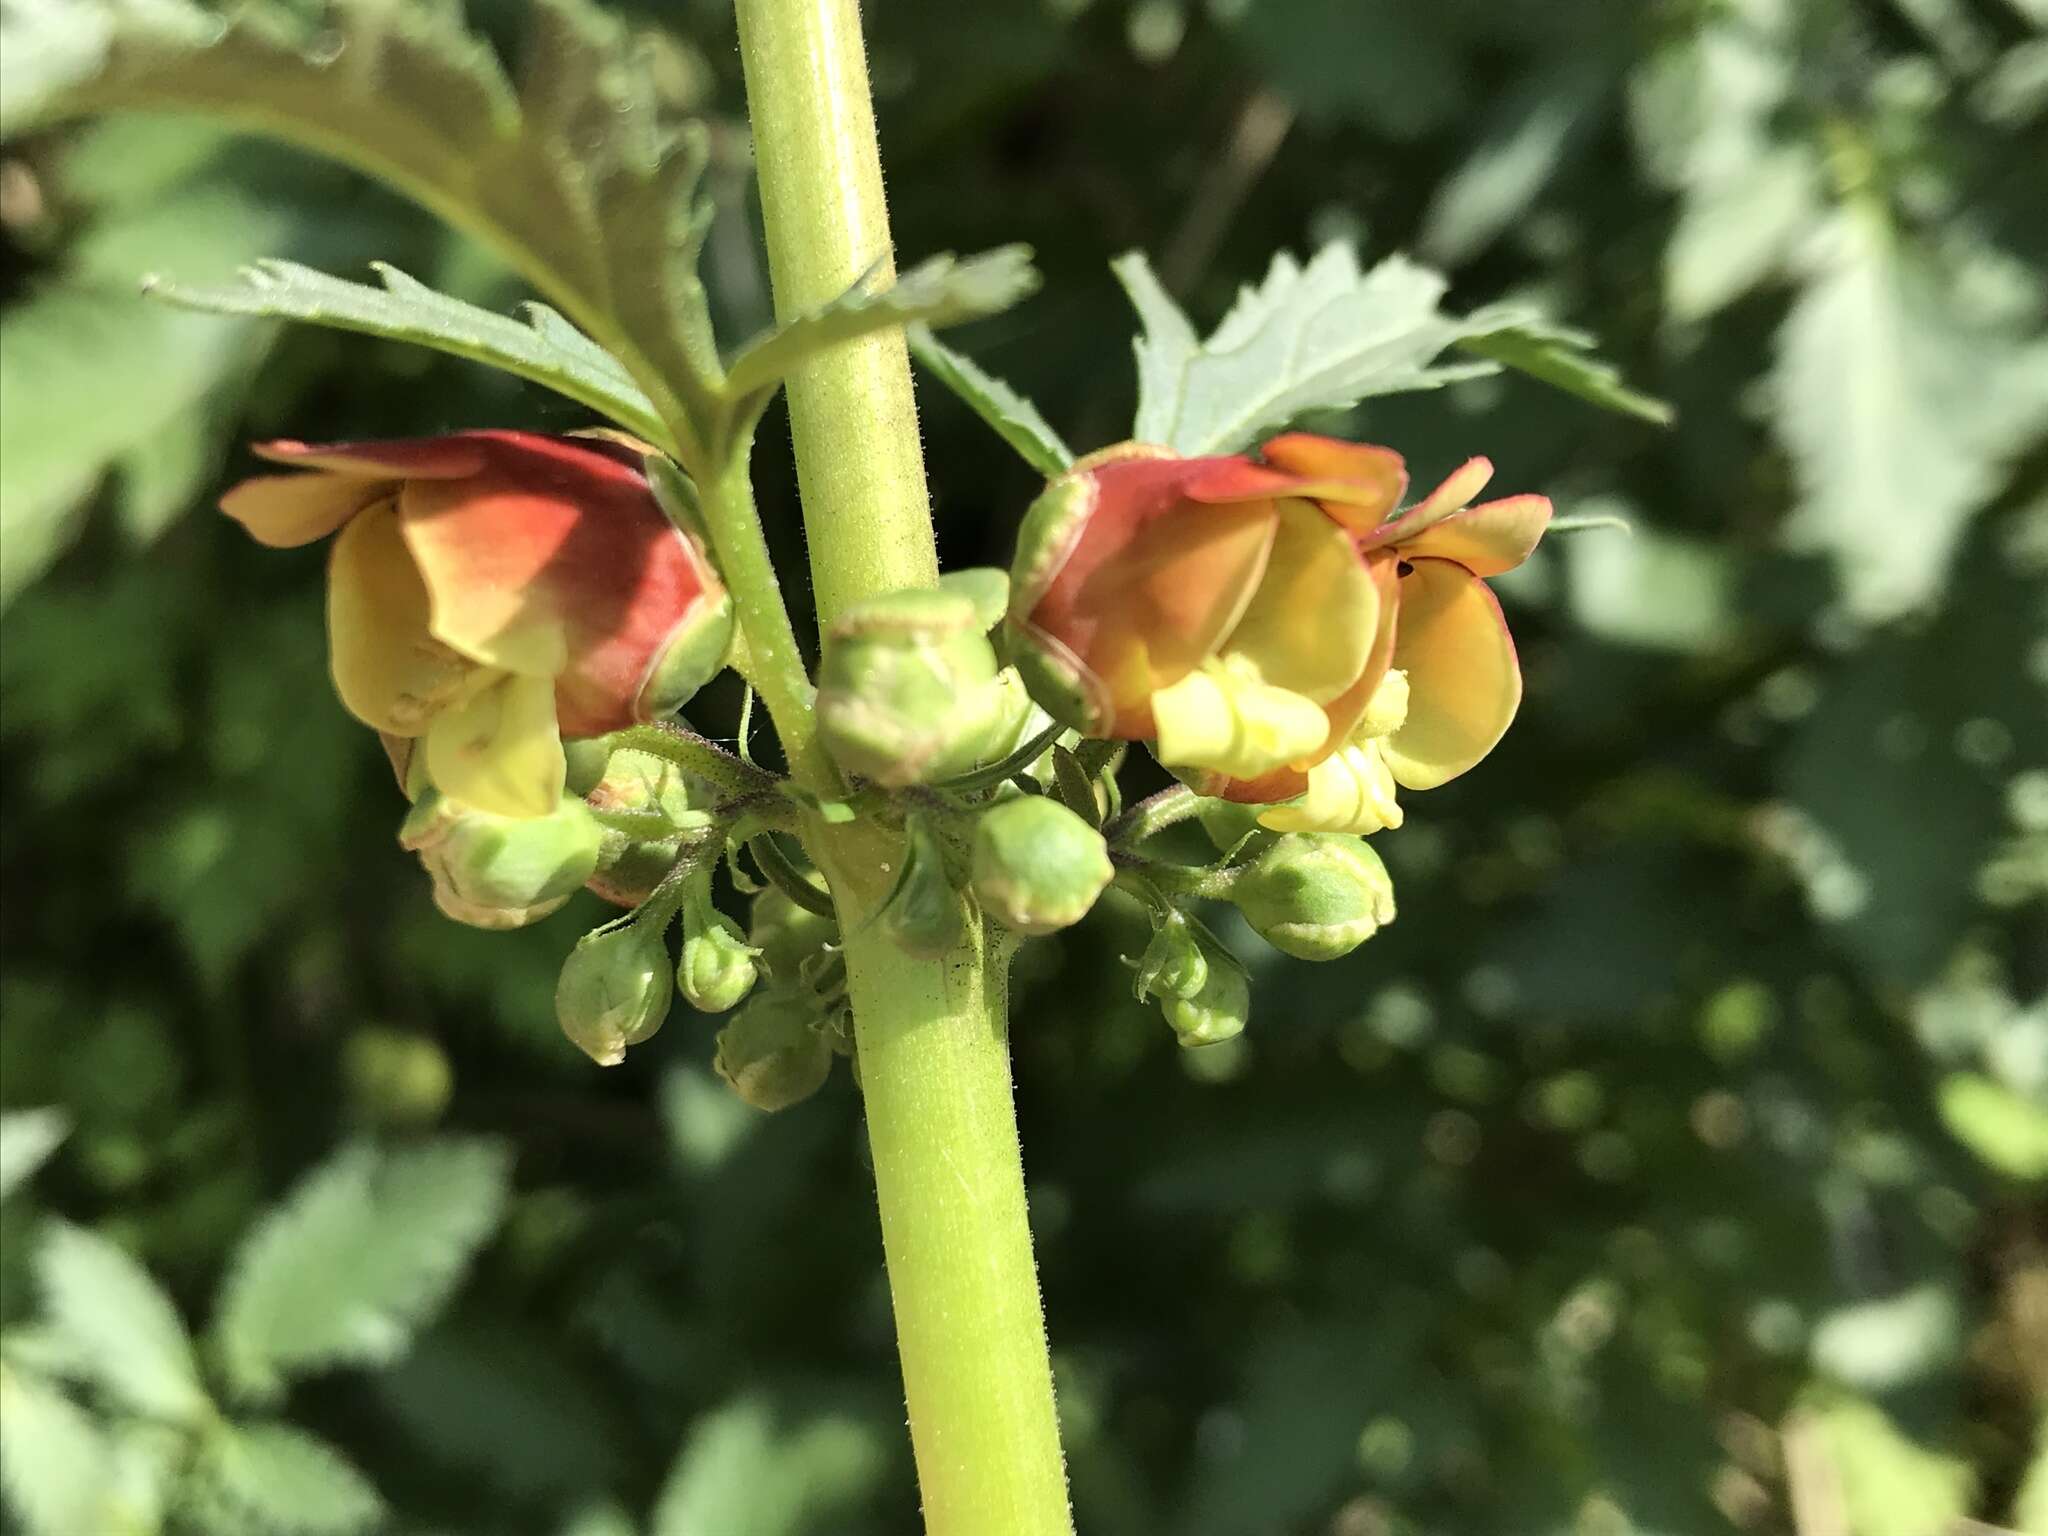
<point>1270,627</point>
<point>492,593</point>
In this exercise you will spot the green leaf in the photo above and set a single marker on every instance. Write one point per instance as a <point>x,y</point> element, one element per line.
<point>1323,337</point>
<point>1015,420</point>
<point>107,1315</point>
<point>273,1480</point>
<point>1559,356</point>
<point>544,348</point>
<point>2030,1504</point>
<point>2006,1129</point>
<point>600,1520</point>
<point>574,177</point>
<point>943,290</point>
<point>1889,1485</point>
<point>27,1138</point>
<point>1903,395</point>
<point>55,1461</point>
<point>1521,146</point>
<point>98,381</point>
<point>745,1472</point>
<point>363,1253</point>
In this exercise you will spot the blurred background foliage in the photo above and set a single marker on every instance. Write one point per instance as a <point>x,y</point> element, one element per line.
<point>1675,1164</point>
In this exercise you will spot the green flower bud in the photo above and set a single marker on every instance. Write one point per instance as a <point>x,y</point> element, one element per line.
<point>1218,1010</point>
<point>909,688</point>
<point>1229,823</point>
<point>774,1053</point>
<point>395,1077</point>
<point>923,914</point>
<point>587,759</point>
<point>1315,896</point>
<point>1173,964</point>
<point>614,989</point>
<point>785,935</point>
<point>483,863</point>
<point>717,969</point>
<point>629,868</point>
<point>1037,866</point>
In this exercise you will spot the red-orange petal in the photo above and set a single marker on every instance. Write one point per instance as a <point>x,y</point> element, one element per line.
<point>1360,483</point>
<point>1464,684</point>
<point>1458,488</point>
<point>405,458</point>
<point>1488,539</point>
<point>554,559</point>
<point>1153,581</point>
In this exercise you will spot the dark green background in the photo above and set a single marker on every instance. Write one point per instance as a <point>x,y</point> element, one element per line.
<point>1696,1095</point>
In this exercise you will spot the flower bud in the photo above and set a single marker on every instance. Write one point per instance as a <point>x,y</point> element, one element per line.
<point>717,970</point>
<point>922,915</point>
<point>785,935</point>
<point>1228,823</point>
<point>614,989</point>
<point>909,689</point>
<point>1037,866</point>
<point>487,864</point>
<point>1315,896</point>
<point>774,1052</point>
<point>1173,965</point>
<point>1218,1010</point>
<point>628,867</point>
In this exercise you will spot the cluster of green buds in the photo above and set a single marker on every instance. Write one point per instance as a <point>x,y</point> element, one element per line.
<point>1007,816</point>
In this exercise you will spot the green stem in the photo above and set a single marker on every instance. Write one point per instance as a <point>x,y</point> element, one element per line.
<point>851,410</point>
<point>696,757</point>
<point>933,1052</point>
<point>1153,815</point>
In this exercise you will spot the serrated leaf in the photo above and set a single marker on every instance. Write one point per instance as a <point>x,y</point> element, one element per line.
<point>545,349</point>
<point>574,176</point>
<point>55,1461</point>
<point>1014,419</point>
<point>273,1480</point>
<point>943,290</point>
<point>1561,357</point>
<point>92,375</point>
<point>363,1253</point>
<point>1324,337</point>
<point>108,1316</point>
<point>743,1471</point>
<point>1903,407</point>
<point>2008,1130</point>
<point>27,1138</point>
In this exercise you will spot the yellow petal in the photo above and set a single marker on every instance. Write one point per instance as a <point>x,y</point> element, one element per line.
<point>1311,624</point>
<point>1349,791</point>
<point>285,511</point>
<point>500,751</point>
<point>390,671</point>
<point>1225,719</point>
<point>1463,682</point>
<point>1488,539</point>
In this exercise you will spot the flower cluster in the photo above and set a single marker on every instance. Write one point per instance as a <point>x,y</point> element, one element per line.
<point>1290,642</point>
<point>491,594</point>
<point>1278,632</point>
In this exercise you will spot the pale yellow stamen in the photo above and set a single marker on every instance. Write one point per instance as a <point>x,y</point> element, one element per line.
<point>1352,790</point>
<point>1226,718</point>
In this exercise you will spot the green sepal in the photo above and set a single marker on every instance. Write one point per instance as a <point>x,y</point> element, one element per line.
<point>614,989</point>
<point>1038,867</point>
<point>923,913</point>
<point>776,1051</point>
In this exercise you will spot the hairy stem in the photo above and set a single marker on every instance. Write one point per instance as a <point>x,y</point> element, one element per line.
<point>933,1052</point>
